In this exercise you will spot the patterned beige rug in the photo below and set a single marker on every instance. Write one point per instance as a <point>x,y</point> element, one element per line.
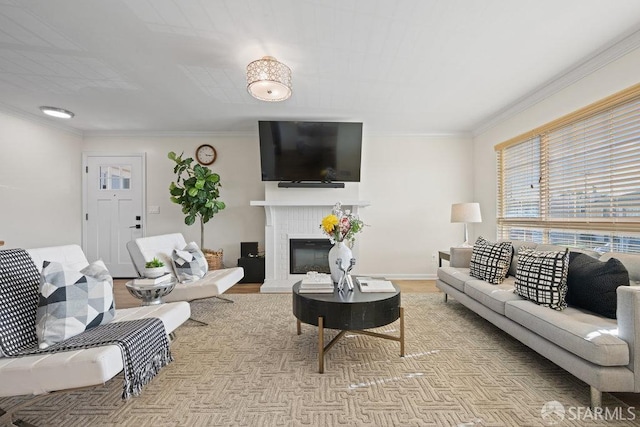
<point>248,367</point>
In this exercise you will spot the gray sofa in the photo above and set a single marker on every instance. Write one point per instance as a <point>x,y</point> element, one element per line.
<point>602,352</point>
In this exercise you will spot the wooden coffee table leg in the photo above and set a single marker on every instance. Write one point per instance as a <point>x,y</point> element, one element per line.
<point>320,345</point>
<point>401,332</point>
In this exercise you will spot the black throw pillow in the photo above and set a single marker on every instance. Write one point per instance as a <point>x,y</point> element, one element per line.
<point>592,283</point>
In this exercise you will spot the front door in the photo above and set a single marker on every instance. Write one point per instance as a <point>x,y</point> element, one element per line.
<point>113,202</point>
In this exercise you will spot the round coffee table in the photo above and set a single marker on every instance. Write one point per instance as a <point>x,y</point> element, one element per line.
<point>348,311</point>
<point>151,294</point>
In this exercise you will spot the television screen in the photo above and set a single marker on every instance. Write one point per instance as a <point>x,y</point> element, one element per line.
<point>310,151</point>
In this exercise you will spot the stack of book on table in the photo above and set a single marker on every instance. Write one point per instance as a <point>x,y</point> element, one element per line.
<point>317,284</point>
<point>146,281</point>
<point>367,284</point>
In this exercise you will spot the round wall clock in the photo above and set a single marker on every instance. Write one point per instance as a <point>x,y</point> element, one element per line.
<point>206,154</point>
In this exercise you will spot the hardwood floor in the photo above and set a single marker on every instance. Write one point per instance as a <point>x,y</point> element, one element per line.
<point>125,300</point>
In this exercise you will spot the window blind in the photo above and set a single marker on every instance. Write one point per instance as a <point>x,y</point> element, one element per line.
<point>576,184</point>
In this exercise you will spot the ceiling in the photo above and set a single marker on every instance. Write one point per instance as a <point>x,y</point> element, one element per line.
<point>401,67</point>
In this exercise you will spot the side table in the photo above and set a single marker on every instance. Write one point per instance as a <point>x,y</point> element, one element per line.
<point>253,269</point>
<point>443,255</point>
<point>151,294</point>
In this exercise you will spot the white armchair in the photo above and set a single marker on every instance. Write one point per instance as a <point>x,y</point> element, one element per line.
<point>213,284</point>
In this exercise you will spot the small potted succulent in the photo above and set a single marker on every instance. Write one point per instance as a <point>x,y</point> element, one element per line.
<point>154,268</point>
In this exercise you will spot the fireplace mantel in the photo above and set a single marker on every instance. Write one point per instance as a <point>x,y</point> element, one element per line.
<point>292,219</point>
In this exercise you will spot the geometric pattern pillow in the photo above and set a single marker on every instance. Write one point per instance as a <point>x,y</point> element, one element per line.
<point>72,301</point>
<point>190,263</point>
<point>490,261</point>
<point>541,277</point>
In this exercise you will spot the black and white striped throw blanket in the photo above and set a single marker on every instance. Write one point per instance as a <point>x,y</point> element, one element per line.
<point>143,343</point>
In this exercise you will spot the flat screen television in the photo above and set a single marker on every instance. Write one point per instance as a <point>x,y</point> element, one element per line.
<point>310,151</point>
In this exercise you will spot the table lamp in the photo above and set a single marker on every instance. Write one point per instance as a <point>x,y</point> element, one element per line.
<point>466,213</point>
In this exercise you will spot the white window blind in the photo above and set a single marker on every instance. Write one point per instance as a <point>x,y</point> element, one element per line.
<point>575,184</point>
<point>519,167</point>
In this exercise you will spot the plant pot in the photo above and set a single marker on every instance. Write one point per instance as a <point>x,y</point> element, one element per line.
<point>214,258</point>
<point>153,272</point>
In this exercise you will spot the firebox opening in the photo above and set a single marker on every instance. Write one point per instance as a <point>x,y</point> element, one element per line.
<point>309,255</point>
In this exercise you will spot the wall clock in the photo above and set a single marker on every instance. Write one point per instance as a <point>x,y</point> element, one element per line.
<point>206,154</point>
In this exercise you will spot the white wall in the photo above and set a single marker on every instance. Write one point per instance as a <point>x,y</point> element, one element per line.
<point>407,179</point>
<point>411,182</point>
<point>40,184</point>
<point>237,164</point>
<point>610,79</point>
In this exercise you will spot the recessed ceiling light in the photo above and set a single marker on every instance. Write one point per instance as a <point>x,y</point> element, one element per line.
<point>60,113</point>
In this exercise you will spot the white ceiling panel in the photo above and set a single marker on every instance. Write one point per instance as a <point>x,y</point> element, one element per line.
<point>404,67</point>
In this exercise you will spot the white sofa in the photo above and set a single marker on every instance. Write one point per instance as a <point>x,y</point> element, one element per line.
<point>213,284</point>
<point>602,352</point>
<point>80,368</point>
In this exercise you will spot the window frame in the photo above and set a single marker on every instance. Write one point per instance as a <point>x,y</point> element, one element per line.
<point>543,227</point>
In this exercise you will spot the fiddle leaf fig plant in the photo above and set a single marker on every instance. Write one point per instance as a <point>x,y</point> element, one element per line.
<point>196,189</point>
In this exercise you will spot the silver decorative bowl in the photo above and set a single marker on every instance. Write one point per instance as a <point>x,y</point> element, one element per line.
<point>151,294</point>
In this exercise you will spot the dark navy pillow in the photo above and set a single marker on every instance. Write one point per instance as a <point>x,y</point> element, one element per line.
<point>592,283</point>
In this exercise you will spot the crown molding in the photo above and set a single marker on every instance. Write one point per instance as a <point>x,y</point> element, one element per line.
<point>21,114</point>
<point>419,135</point>
<point>190,134</point>
<point>166,134</point>
<point>578,71</point>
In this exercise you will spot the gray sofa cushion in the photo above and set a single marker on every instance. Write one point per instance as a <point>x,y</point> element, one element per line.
<point>592,337</point>
<point>455,277</point>
<point>492,296</point>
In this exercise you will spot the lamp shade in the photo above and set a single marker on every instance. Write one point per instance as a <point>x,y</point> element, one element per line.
<point>268,79</point>
<point>466,212</point>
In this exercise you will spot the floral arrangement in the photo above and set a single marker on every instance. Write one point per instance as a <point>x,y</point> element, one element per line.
<point>341,225</point>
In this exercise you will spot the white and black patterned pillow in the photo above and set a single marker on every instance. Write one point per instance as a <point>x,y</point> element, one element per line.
<point>73,301</point>
<point>189,263</point>
<point>19,280</point>
<point>541,277</point>
<point>490,261</point>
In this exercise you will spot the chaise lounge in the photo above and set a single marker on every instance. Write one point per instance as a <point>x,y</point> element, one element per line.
<point>44,373</point>
<point>213,284</point>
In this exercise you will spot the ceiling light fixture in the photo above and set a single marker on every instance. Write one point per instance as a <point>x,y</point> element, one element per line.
<point>269,80</point>
<point>59,113</point>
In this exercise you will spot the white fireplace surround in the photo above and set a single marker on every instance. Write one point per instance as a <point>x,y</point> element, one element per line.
<point>292,220</point>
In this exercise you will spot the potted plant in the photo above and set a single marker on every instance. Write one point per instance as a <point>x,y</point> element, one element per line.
<point>197,189</point>
<point>154,268</point>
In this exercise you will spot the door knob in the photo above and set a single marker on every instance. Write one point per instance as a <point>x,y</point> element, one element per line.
<point>136,226</point>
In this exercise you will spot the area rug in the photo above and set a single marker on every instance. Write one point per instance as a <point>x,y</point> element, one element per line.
<point>250,368</point>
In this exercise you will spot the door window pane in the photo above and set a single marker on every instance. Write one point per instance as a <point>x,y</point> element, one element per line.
<point>115,177</point>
